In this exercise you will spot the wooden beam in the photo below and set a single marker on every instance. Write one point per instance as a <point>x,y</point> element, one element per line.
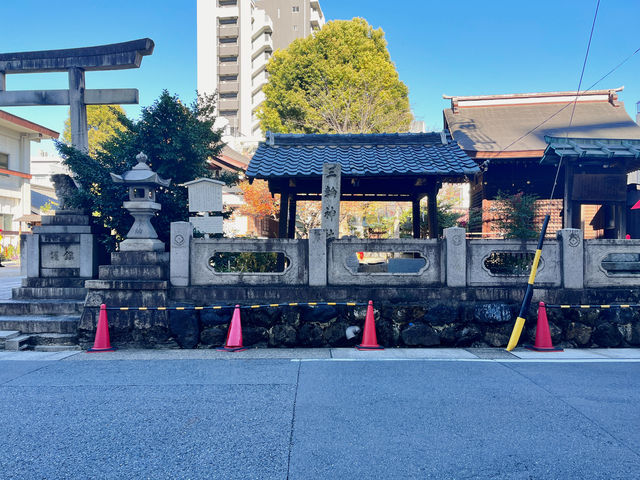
<point>282,219</point>
<point>112,96</point>
<point>30,98</point>
<point>115,56</point>
<point>291,229</point>
<point>432,212</point>
<point>415,217</point>
<point>106,96</point>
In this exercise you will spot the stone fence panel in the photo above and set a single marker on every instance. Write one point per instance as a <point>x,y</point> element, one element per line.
<point>611,263</point>
<point>409,262</point>
<point>203,273</point>
<point>479,254</point>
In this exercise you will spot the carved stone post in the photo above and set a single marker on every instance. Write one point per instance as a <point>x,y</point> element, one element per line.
<point>572,243</point>
<point>331,174</point>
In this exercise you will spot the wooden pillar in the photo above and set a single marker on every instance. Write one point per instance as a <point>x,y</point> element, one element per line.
<point>432,212</point>
<point>621,220</point>
<point>3,82</point>
<point>291,230</point>
<point>415,215</point>
<point>571,213</point>
<point>78,110</point>
<point>282,219</point>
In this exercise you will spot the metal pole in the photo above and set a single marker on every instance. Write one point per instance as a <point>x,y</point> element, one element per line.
<point>517,328</point>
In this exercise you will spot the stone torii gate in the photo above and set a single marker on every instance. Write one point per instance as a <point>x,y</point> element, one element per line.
<point>75,61</point>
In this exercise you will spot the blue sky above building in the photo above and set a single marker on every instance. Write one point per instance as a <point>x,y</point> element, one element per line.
<point>455,48</point>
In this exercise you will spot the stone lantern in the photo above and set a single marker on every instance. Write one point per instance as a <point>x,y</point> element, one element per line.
<point>141,181</point>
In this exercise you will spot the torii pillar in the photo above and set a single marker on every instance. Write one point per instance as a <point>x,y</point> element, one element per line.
<point>74,61</point>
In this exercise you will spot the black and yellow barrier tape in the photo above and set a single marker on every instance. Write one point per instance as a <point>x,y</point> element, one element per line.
<point>585,307</point>
<point>224,307</point>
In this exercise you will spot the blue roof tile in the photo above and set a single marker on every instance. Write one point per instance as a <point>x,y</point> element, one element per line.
<point>386,154</point>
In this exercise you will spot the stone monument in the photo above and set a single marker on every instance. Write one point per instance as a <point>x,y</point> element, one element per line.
<point>138,274</point>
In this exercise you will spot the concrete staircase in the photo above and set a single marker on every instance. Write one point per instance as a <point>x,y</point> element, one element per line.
<point>43,325</point>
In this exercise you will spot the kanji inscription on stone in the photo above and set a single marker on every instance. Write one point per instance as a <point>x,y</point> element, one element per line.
<point>331,176</point>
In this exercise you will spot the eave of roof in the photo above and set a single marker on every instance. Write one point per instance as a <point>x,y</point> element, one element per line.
<point>22,125</point>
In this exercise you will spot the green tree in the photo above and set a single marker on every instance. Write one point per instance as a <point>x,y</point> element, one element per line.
<point>514,215</point>
<point>446,218</point>
<point>178,140</point>
<point>339,80</point>
<point>103,122</point>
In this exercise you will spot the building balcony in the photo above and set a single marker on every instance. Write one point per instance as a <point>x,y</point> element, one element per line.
<point>266,45</point>
<point>316,19</point>
<point>259,81</point>
<point>225,50</point>
<point>228,87</point>
<point>228,69</point>
<point>225,31</point>
<point>261,24</point>
<point>257,99</point>
<point>228,104</point>
<point>259,63</point>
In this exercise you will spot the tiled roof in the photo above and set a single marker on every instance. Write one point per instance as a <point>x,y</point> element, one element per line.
<point>387,154</point>
<point>598,150</point>
<point>518,123</point>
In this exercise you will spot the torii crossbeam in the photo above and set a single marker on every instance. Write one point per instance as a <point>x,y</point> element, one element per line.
<point>75,61</point>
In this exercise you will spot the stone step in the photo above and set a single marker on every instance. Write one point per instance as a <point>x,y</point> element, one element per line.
<point>40,307</point>
<point>21,342</point>
<point>28,293</point>
<point>34,324</point>
<point>7,335</point>
<point>54,339</point>
<point>139,258</point>
<point>44,282</point>
<point>126,272</point>
<point>56,348</point>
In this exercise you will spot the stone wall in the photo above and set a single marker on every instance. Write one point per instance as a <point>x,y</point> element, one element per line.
<point>416,317</point>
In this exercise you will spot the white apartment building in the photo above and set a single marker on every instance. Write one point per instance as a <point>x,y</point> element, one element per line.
<point>236,38</point>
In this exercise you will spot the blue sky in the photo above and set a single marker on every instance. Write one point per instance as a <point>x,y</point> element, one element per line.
<point>464,47</point>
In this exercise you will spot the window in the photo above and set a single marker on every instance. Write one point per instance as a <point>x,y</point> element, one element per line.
<point>228,113</point>
<point>7,222</point>
<point>295,28</point>
<point>228,21</point>
<point>228,78</point>
<point>227,3</point>
<point>229,95</point>
<point>4,161</point>
<point>296,9</point>
<point>232,40</point>
<point>228,59</point>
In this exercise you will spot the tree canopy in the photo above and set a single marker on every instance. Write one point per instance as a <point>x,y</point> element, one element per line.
<point>339,80</point>
<point>178,141</point>
<point>103,123</point>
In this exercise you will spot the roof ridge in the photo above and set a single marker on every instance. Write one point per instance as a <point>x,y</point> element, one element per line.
<point>338,139</point>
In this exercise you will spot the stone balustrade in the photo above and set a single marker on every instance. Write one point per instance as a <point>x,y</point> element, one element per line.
<point>453,261</point>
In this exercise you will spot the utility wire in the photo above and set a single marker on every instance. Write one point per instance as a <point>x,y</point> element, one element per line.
<point>575,102</point>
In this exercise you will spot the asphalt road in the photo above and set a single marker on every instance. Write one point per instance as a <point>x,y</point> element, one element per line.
<point>318,419</point>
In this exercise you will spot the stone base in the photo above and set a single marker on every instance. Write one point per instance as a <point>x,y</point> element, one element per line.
<point>57,257</point>
<point>124,284</point>
<point>141,245</point>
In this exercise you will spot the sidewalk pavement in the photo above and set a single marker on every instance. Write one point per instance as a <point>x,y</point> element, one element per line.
<point>519,355</point>
<point>9,278</point>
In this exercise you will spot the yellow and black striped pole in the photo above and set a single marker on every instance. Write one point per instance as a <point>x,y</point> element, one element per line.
<point>517,328</point>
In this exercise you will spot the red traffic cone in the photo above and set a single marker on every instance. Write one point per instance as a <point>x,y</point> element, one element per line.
<point>543,334</point>
<point>234,334</point>
<point>102,342</point>
<point>369,338</point>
